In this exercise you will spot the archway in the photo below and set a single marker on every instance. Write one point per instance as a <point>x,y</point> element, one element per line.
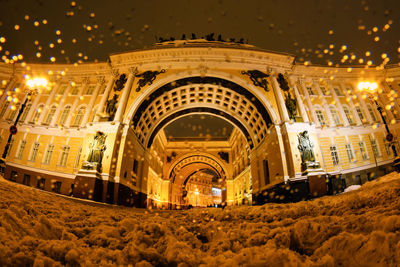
<point>200,95</point>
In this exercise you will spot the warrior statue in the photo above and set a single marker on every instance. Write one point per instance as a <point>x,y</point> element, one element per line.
<point>306,148</point>
<point>111,107</point>
<point>97,148</point>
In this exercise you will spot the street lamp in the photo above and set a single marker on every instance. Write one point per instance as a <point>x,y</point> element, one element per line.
<point>32,86</point>
<point>370,88</point>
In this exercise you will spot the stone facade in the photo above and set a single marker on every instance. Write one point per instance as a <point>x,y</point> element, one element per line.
<point>245,85</point>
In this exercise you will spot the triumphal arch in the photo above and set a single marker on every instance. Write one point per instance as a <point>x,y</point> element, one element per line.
<point>197,123</point>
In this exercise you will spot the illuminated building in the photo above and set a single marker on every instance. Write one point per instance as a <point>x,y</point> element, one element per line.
<point>158,87</point>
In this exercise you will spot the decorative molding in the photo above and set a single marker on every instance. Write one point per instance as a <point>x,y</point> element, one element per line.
<point>147,77</point>
<point>258,78</point>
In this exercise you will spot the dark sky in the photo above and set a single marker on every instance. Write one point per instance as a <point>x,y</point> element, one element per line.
<point>298,27</point>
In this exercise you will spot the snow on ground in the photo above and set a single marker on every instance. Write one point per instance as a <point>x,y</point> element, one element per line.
<point>359,228</point>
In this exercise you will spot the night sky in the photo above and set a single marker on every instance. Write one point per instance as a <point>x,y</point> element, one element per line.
<point>326,32</point>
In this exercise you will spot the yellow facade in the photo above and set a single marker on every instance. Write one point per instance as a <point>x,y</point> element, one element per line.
<point>139,163</point>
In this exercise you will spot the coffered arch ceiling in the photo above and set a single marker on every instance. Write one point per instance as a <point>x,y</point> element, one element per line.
<point>201,95</point>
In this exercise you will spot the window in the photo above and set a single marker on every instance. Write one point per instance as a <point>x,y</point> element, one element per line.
<point>335,115</point>
<point>135,166</point>
<point>27,179</point>
<point>334,155</point>
<point>324,91</point>
<point>62,89</point>
<point>40,183</point>
<point>310,91</point>
<point>56,187</point>
<point>360,114</point>
<point>26,111</point>
<point>64,115</point>
<point>103,89</point>
<point>388,148</point>
<point>50,115</point>
<point>90,90</point>
<point>348,114</point>
<point>38,111</point>
<point>13,112</point>
<point>4,108</point>
<point>48,154</point>
<point>75,90</point>
<point>13,176</point>
<point>21,149</point>
<point>34,152</point>
<point>79,116</point>
<point>64,156</point>
<point>320,116</point>
<point>78,157</point>
<point>338,91</point>
<point>375,148</point>
<point>350,154</point>
<point>371,112</point>
<point>364,153</point>
<point>10,146</point>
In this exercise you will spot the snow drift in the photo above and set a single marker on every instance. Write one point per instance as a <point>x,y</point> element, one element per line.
<point>359,228</point>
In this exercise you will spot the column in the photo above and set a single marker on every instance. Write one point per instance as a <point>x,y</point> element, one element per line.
<point>339,105</point>
<point>309,103</point>
<point>279,99</point>
<point>325,104</point>
<point>303,112</point>
<point>49,101</point>
<point>352,106</point>
<point>124,96</point>
<point>85,83</point>
<point>104,98</point>
<point>89,109</point>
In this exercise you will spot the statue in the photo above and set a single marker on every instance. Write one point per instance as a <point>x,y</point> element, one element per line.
<point>97,148</point>
<point>111,107</point>
<point>307,154</point>
<point>258,78</point>
<point>291,105</point>
<point>147,77</point>
<point>119,84</point>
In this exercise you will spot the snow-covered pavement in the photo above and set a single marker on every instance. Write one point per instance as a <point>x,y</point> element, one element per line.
<point>359,228</point>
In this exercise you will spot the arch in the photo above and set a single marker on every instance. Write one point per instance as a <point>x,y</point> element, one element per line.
<point>238,104</point>
<point>79,116</point>
<point>197,73</point>
<point>198,157</point>
<point>50,114</point>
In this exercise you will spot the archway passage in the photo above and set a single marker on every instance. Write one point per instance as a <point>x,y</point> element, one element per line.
<point>201,94</point>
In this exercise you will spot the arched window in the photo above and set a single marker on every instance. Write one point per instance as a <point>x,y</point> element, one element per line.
<point>64,115</point>
<point>320,115</point>
<point>360,113</point>
<point>335,114</point>
<point>50,115</point>
<point>79,116</point>
<point>4,108</point>
<point>371,112</point>
<point>14,111</point>
<point>348,114</point>
<point>38,111</point>
<point>26,111</point>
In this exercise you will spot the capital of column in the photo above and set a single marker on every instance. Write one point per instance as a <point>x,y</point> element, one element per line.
<point>101,79</point>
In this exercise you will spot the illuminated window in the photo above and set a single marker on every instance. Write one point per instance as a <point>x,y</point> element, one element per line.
<point>34,152</point>
<point>324,90</point>
<point>21,149</point>
<point>338,91</point>
<point>348,114</point>
<point>360,113</point>
<point>26,111</point>
<point>350,153</point>
<point>62,89</point>
<point>78,157</point>
<point>49,153</point>
<point>90,90</point>
<point>363,151</point>
<point>38,111</point>
<point>10,146</point>
<point>50,116</point>
<point>4,108</point>
<point>334,155</point>
<point>371,112</point>
<point>75,90</point>
<point>79,117</point>
<point>310,91</point>
<point>12,114</point>
<point>335,115</point>
<point>375,148</point>
<point>64,156</point>
<point>64,115</point>
<point>320,116</point>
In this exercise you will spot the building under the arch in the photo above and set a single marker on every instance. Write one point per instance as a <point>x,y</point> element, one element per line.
<point>242,85</point>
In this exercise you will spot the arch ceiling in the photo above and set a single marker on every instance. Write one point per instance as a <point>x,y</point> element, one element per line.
<point>201,94</point>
